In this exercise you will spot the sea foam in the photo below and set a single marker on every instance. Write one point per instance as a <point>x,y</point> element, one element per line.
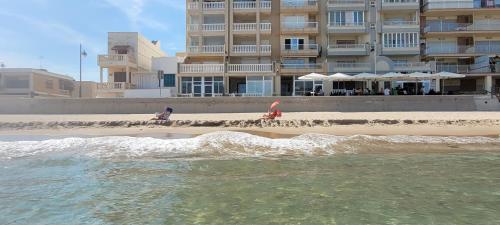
<point>220,145</point>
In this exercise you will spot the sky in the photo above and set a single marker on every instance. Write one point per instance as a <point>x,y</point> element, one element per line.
<point>48,33</point>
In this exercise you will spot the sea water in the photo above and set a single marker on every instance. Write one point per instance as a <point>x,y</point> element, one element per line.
<point>238,178</point>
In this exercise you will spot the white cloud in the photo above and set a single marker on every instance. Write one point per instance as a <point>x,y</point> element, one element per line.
<point>134,9</point>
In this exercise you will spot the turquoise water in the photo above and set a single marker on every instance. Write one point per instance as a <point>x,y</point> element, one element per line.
<point>74,185</point>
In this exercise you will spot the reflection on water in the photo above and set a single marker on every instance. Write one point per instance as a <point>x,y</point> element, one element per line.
<point>389,188</point>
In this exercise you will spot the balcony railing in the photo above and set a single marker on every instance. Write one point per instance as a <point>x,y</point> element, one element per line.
<point>458,27</point>
<point>115,86</point>
<point>206,5</point>
<point>244,48</point>
<point>400,4</point>
<point>300,26</point>
<point>245,68</point>
<point>300,49</point>
<point>467,69</point>
<point>346,3</point>
<point>347,27</point>
<point>265,27</point>
<point>265,49</point>
<point>400,23</point>
<point>350,67</point>
<point>411,67</point>
<point>299,4</point>
<point>400,45</point>
<point>463,49</point>
<point>348,49</point>
<point>445,4</point>
<point>265,4</point>
<point>307,67</point>
<point>244,26</point>
<point>113,60</point>
<point>216,27</point>
<point>201,68</point>
<point>209,49</point>
<point>245,5</point>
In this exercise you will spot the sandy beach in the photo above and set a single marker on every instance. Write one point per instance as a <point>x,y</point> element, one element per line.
<point>376,123</point>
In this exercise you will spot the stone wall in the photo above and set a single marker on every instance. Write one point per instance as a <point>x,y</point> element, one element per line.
<point>249,104</point>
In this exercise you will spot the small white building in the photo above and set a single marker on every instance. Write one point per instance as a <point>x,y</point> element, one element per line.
<point>132,68</point>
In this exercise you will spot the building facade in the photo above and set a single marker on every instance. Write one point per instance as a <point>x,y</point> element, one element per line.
<point>131,68</point>
<point>27,82</point>
<point>261,47</point>
<point>463,37</point>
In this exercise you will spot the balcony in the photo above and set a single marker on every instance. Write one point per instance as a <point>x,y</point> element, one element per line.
<point>343,27</point>
<point>265,27</point>
<point>201,68</point>
<point>447,5</point>
<point>216,27</point>
<point>248,5</point>
<point>400,5</point>
<point>347,4</point>
<point>245,27</point>
<point>465,50</point>
<point>299,6</point>
<point>206,50</point>
<point>348,50</point>
<point>115,86</point>
<point>250,68</point>
<point>350,67</point>
<point>479,25</point>
<point>206,6</point>
<point>401,49</point>
<point>300,50</point>
<point>114,60</point>
<point>244,49</point>
<point>299,27</point>
<point>302,68</point>
<point>466,69</point>
<point>411,67</point>
<point>265,49</point>
<point>265,5</point>
<point>400,26</point>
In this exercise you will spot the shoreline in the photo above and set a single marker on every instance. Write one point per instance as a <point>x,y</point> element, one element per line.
<point>292,124</point>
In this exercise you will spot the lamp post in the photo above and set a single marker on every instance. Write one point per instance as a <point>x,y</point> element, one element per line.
<point>82,54</point>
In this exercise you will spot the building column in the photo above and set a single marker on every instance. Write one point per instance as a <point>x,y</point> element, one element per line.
<point>369,85</point>
<point>277,85</point>
<point>100,74</point>
<point>381,86</point>
<point>437,85</point>
<point>488,84</point>
<point>127,77</point>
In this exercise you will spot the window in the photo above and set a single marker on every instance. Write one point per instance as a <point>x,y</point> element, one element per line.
<point>259,85</point>
<point>294,44</point>
<point>305,87</point>
<point>358,17</point>
<point>339,18</point>
<point>400,40</point>
<point>169,80</point>
<point>16,82</point>
<point>202,86</point>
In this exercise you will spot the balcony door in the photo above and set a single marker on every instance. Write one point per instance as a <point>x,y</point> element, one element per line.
<point>294,44</point>
<point>120,77</point>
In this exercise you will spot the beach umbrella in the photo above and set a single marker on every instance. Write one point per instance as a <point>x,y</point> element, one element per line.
<point>313,76</point>
<point>395,76</point>
<point>420,76</point>
<point>340,77</point>
<point>366,76</point>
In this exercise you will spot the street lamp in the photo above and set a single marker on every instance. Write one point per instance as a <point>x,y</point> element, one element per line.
<point>82,54</point>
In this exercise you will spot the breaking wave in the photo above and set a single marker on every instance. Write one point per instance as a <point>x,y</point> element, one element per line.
<point>236,144</point>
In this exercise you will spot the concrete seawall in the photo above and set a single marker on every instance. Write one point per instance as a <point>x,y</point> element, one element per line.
<point>249,104</point>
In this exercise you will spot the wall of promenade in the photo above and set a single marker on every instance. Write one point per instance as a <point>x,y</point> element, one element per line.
<point>249,104</point>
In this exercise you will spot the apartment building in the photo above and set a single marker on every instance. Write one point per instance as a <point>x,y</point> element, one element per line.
<point>27,82</point>
<point>261,47</point>
<point>131,68</point>
<point>463,37</point>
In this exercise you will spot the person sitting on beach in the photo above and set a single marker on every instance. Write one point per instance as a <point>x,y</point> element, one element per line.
<point>165,115</point>
<point>273,112</point>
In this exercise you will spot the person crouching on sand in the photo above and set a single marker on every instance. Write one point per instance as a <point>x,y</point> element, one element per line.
<point>165,115</point>
<point>273,112</point>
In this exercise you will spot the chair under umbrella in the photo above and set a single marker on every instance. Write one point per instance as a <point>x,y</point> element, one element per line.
<point>313,76</point>
<point>340,77</point>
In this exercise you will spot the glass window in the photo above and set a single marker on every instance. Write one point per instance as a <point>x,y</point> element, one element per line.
<point>169,80</point>
<point>16,82</point>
